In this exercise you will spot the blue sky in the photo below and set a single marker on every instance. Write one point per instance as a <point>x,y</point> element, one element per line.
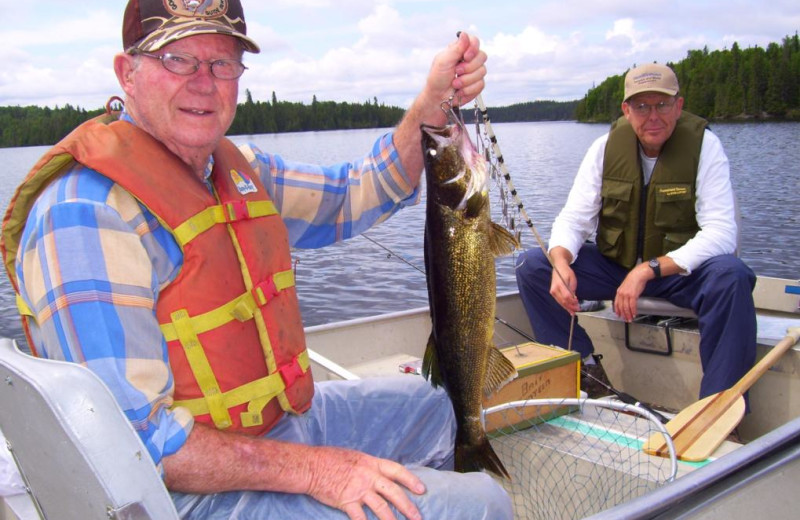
<point>58,52</point>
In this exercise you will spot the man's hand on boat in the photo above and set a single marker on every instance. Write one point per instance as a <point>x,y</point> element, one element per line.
<point>632,287</point>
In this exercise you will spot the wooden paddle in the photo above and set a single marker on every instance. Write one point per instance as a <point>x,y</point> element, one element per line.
<point>699,429</point>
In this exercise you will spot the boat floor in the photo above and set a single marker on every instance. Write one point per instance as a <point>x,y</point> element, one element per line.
<point>583,462</point>
<point>572,465</point>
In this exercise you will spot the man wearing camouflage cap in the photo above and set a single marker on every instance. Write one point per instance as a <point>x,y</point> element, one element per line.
<point>156,252</point>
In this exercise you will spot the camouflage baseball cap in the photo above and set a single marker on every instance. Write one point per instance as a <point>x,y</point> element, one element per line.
<point>148,25</point>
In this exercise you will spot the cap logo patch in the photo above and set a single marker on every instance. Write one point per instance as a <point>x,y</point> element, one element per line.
<point>647,77</point>
<point>198,9</point>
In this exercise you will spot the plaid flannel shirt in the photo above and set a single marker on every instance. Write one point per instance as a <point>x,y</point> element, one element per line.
<point>92,261</point>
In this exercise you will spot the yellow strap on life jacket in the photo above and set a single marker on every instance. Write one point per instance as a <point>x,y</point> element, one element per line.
<point>256,393</point>
<point>221,214</point>
<point>261,294</point>
<point>201,369</point>
<point>237,308</point>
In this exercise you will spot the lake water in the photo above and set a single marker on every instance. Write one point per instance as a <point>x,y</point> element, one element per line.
<point>371,275</point>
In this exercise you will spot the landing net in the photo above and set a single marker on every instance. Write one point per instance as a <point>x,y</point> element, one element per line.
<point>572,458</point>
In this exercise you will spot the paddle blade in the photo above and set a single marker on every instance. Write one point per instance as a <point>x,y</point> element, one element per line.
<point>698,430</point>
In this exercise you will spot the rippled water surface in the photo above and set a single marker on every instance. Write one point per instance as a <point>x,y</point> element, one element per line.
<point>371,275</point>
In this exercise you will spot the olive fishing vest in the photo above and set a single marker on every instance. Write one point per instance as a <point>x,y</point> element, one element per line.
<point>666,210</point>
<point>230,318</point>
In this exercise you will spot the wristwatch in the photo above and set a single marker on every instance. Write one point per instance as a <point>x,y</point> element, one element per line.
<point>655,265</point>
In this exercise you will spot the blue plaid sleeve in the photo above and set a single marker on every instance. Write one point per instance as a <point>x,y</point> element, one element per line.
<point>90,265</point>
<point>322,205</point>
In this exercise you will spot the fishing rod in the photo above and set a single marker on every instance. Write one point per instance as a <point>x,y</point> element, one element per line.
<point>392,253</point>
<point>627,398</point>
<point>622,396</point>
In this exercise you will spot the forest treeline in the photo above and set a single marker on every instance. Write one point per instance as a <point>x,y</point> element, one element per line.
<point>529,111</point>
<point>733,83</point>
<point>32,125</point>
<point>260,117</point>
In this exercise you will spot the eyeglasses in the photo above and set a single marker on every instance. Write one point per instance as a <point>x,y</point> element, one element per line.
<point>186,64</point>
<point>644,109</point>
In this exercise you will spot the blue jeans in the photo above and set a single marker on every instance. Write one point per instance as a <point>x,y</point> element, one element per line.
<point>719,292</point>
<point>400,418</point>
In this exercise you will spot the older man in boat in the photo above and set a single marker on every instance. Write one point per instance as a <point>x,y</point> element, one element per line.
<point>151,249</point>
<point>656,190</point>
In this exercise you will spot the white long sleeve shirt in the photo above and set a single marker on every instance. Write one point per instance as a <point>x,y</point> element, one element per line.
<point>715,206</point>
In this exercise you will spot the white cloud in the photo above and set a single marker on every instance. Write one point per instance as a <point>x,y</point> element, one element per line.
<point>92,28</point>
<point>351,50</point>
<point>511,49</point>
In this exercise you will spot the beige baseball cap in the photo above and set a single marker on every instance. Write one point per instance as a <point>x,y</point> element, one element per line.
<point>148,25</point>
<point>650,78</point>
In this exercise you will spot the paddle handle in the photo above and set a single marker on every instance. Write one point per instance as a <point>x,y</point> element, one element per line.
<point>758,370</point>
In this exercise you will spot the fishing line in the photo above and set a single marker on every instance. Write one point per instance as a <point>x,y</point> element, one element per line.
<point>392,252</point>
<point>494,150</point>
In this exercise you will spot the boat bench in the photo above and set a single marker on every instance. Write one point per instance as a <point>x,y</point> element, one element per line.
<point>776,300</point>
<point>76,451</point>
<point>662,313</point>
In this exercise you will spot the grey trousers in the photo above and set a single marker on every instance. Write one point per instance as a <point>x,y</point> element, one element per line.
<point>402,419</point>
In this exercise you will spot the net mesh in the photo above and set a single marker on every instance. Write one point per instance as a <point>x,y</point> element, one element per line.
<point>571,458</point>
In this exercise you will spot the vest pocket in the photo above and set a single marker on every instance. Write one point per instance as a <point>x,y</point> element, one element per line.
<point>609,241</point>
<point>616,201</point>
<point>674,206</point>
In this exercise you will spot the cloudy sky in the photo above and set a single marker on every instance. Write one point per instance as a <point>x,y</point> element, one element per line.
<point>60,51</point>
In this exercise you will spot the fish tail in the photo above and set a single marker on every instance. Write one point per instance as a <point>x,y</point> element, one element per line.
<point>499,371</point>
<point>479,457</point>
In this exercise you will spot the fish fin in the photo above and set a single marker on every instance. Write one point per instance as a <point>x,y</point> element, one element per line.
<point>430,364</point>
<point>499,371</point>
<point>479,457</point>
<point>475,204</point>
<point>501,241</point>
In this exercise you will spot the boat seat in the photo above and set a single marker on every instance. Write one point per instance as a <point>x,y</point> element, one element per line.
<point>670,315</point>
<point>663,307</point>
<point>77,453</point>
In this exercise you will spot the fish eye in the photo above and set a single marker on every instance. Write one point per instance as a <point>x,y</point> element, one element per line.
<point>432,152</point>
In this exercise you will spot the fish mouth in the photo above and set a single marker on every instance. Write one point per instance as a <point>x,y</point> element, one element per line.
<point>472,171</point>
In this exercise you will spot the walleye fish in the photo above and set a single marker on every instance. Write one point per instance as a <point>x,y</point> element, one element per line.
<point>461,243</point>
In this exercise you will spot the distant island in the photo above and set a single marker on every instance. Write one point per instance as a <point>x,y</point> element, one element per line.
<point>732,84</point>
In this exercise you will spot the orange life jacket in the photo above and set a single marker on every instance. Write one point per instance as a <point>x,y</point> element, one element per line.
<point>231,317</point>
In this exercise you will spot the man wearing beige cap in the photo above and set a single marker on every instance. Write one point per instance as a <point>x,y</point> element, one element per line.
<point>154,251</point>
<point>656,190</point>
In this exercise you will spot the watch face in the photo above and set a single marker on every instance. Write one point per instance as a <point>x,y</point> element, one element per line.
<point>655,266</point>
